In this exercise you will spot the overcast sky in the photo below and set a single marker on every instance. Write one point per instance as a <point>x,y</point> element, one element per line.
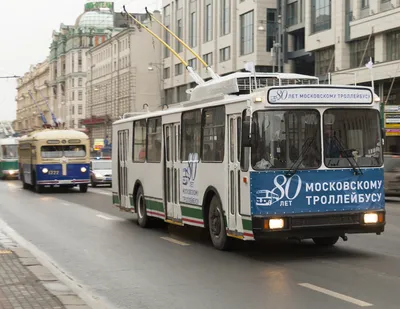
<point>27,29</point>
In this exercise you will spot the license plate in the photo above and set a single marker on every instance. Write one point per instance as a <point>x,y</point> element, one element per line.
<point>108,179</point>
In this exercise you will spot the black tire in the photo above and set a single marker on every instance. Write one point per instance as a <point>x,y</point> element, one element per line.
<point>216,225</point>
<point>326,241</point>
<point>143,220</point>
<point>93,183</point>
<point>39,189</point>
<point>83,188</point>
<point>24,184</point>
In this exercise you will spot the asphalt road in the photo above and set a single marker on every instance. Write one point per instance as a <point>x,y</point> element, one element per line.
<point>171,267</point>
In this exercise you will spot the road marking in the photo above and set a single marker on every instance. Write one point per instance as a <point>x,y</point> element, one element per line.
<point>336,295</point>
<point>175,241</point>
<point>5,252</point>
<point>105,217</point>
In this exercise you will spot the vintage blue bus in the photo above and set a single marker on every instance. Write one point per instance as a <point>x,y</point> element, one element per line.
<point>54,158</point>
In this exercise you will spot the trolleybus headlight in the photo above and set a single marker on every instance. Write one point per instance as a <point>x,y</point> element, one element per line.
<point>274,224</point>
<point>83,169</point>
<point>45,170</point>
<point>371,218</point>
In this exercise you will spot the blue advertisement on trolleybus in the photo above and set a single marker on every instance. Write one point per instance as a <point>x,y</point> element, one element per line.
<point>316,191</point>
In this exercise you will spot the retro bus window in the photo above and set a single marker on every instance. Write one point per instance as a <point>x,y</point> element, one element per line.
<point>352,135</point>
<point>213,134</point>
<point>139,142</point>
<point>70,151</point>
<point>9,151</point>
<point>154,140</point>
<point>191,134</point>
<point>282,139</point>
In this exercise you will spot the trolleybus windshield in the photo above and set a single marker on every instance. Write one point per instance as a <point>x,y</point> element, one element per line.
<point>280,137</point>
<point>354,134</point>
<point>69,151</point>
<point>9,151</point>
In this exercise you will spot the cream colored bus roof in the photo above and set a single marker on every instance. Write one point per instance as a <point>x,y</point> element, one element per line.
<point>54,134</point>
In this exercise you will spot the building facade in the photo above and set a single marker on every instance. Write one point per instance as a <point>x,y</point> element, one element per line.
<point>28,113</point>
<point>123,76</point>
<point>68,63</point>
<point>226,33</point>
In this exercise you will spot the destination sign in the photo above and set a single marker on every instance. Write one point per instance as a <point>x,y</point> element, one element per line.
<point>319,95</point>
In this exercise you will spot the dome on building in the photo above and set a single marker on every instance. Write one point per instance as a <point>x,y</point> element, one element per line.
<point>98,19</point>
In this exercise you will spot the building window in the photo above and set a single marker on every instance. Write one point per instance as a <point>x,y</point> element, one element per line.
<point>247,33</point>
<point>166,73</point>
<point>208,23</point>
<point>365,4</point>
<point>154,140</point>
<point>80,94</point>
<point>292,11</point>
<point>193,63</point>
<point>73,95</point>
<point>191,135</point>
<point>179,32</point>
<point>225,54</point>
<point>80,109</point>
<point>166,39</point>
<point>80,82</point>
<point>320,15</point>
<point>271,28</point>
<point>360,52</point>
<point>208,58</point>
<point>213,134</point>
<point>139,141</point>
<point>225,17</point>
<point>181,94</point>
<point>73,109</point>
<point>73,82</point>
<point>393,45</point>
<point>178,69</point>
<point>324,61</point>
<point>193,30</point>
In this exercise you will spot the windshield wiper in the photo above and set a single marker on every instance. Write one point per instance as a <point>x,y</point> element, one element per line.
<point>348,153</point>
<point>294,168</point>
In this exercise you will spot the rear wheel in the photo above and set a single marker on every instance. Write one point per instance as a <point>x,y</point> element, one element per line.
<point>217,227</point>
<point>326,241</point>
<point>143,219</point>
<point>83,188</point>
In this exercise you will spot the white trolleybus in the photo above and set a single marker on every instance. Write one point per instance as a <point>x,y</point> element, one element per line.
<point>254,156</point>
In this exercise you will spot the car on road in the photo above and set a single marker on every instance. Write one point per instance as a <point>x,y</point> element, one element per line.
<point>392,174</point>
<point>100,172</point>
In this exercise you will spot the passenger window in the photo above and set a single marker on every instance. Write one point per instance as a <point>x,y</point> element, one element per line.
<point>213,134</point>
<point>139,141</point>
<point>154,140</point>
<point>191,134</point>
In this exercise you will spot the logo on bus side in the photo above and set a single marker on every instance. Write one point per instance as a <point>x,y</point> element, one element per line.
<point>190,172</point>
<point>285,190</point>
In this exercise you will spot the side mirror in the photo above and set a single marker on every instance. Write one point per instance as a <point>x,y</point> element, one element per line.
<point>246,138</point>
<point>383,133</point>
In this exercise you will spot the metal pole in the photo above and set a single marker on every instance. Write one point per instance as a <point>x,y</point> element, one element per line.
<point>279,43</point>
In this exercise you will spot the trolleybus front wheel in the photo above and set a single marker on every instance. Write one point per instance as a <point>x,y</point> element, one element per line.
<point>216,225</point>
<point>326,241</point>
<point>143,219</point>
<point>39,189</point>
<point>83,188</point>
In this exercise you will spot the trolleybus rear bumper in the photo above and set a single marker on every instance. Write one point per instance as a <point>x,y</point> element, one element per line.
<point>310,226</point>
<point>10,174</point>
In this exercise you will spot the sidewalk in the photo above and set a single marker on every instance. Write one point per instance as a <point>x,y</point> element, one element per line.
<point>25,283</point>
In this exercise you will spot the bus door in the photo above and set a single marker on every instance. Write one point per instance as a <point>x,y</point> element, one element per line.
<point>234,170</point>
<point>172,170</point>
<point>123,144</point>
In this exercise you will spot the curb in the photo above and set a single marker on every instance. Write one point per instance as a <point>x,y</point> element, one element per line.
<point>54,286</point>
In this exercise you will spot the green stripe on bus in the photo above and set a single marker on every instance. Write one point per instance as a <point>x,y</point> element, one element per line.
<point>192,212</point>
<point>115,199</point>
<point>247,225</point>
<point>131,199</point>
<point>154,205</point>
